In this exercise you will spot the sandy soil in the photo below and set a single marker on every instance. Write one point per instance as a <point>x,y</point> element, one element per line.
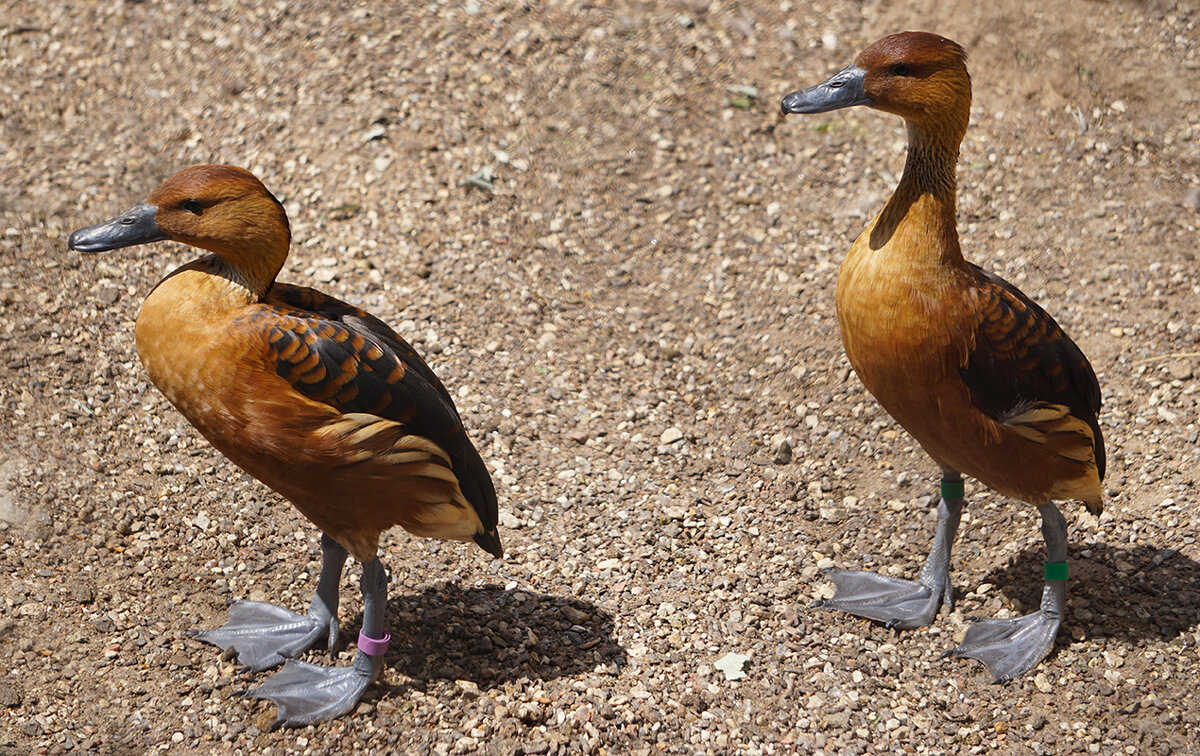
<point>637,322</point>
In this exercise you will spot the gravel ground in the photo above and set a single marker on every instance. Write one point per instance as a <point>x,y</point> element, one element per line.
<point>637,322</point>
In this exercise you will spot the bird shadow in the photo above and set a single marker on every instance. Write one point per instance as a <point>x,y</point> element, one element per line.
<point>490,636</point>
<point>1142,592</point>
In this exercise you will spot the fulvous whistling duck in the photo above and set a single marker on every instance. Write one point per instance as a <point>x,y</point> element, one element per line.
<point>314,397</point>
<point>980,375</point>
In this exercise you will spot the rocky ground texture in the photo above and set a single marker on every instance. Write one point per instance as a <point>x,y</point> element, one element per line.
<point>591,220</point>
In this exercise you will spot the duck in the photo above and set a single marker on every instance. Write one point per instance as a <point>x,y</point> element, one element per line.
<point>979,374</point>
<point>317,399</point>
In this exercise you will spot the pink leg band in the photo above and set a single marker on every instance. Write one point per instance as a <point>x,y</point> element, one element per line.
<point>371,646</point>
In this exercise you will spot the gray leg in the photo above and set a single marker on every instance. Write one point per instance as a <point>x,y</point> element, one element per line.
<point>902,603</point>
<point>308,693</point>
<point>265,635</point>
<point>1010,647</point>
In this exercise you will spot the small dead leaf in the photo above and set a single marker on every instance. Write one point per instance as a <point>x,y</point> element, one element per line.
<point>480,179</point>
<point>731,665</point>
<point>742,90</point>
<point>343,212</point>
<point>742,96</point>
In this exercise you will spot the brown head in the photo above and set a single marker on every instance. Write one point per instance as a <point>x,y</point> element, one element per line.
<point>919,76</point>
<point>220,208</point>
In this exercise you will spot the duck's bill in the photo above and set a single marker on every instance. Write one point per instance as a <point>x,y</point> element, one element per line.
<point>137,226</point>
<point>844,90</point>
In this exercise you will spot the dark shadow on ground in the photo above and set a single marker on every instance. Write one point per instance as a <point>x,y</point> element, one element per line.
<point>490,636</point>
<point>1138,593</point>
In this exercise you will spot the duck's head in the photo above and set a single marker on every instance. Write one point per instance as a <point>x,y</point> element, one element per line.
<point>919,76</point>
<point>220,208</point>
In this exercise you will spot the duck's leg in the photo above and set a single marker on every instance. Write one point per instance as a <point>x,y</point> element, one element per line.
<point>265,635</point>
<point>308,693</point>
<point>902,603</point>
<point>1010,647</point>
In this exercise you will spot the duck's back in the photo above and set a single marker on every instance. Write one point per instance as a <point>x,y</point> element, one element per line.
<point>322,402</point>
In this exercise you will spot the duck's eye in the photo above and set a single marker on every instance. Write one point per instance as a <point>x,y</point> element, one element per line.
<point>193,206</point>
<point>900,69</point>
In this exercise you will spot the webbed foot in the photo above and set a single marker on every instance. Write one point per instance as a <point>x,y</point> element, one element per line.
<point>265,635</point>
<point>902,604</point>
<point>308,693</point>
<point>905,604</point>
<point>1010,647</point>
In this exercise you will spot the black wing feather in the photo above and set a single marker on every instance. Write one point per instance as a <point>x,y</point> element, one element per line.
<point>1021,356</point>
<point>336,353</point>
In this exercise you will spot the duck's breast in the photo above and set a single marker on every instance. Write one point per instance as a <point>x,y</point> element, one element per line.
<point>183,343</point>
<point>905,319</point>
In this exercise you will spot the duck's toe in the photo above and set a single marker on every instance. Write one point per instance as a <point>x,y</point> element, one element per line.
<point>308,693</point>
<point>896,603</point>
<point>264,635</point>
<point>1010,647</point>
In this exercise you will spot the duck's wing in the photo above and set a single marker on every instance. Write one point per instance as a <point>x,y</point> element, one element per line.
<point>336,353</point>
<point>1020,363</point>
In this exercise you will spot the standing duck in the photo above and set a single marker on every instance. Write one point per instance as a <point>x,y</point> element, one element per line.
<point>979,374</point>
<point>314,397</point>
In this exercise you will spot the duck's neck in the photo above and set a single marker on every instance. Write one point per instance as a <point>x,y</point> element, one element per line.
<point>925,199</point>
<point>252,266</point>
<point>932,161</point>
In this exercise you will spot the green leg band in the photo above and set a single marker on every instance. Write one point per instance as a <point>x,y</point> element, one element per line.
<point>952,489</point>
<point>1055,570</point>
